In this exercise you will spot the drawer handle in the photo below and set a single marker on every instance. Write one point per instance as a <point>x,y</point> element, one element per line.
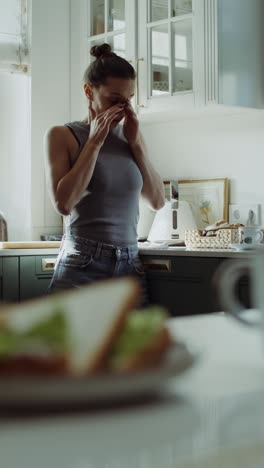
<point>157,265</point>
<point>48,264</point>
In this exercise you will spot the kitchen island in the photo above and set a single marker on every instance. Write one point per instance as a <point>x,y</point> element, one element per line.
<point>211,417</point>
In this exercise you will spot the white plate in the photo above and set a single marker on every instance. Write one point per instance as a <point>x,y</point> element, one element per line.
<point>246,246</point>
<point>98,389</point>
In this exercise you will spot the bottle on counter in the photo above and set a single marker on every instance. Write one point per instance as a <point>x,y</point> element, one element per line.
<point>3,228</point>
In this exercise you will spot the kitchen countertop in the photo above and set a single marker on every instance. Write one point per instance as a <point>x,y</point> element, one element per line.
<point>171,251</point>
<point>212,417</point>
<point>183,252</point>
<point>22,252</point>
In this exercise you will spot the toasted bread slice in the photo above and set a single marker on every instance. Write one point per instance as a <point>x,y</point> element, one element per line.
<point>94,315</point>
<point>33,366</point>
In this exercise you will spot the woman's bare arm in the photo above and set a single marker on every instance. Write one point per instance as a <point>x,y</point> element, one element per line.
<point>153,188</point>
<point>66,185</point>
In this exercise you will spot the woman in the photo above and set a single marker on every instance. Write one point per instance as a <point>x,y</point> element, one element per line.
<point>96,170</point>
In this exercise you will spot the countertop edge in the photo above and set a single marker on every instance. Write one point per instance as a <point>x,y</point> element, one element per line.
<point>217,253</point>
<point>24,252</point>
<point>171,252</point>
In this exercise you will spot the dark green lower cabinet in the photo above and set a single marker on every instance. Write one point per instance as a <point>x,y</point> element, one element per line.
<point>9,279</point>
<point>1,279</point>
<point>184,285</point>
<point>187,285</point>
<point>181,296</point>
<point>35,275</point>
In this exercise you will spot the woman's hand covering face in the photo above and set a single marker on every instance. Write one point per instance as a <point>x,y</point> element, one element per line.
<point>131,125</point>
<point>101,123</point>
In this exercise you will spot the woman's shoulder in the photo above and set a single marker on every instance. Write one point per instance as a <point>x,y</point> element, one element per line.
<point>78,125</point>
<point>55,132</point>
<point>57,129</point>
<point>80,130</point>
<point>67,130</point>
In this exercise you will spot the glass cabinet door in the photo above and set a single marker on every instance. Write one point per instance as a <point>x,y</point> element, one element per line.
<point>97,17</point>
<point>108,23</point>
<point>116,15</point>
<point>159,46</point>
<point>181,43</point>
<point>181,7</point>
<point>158,10</point>
<point>94,22</point>
<point>165,50</point>
<point>165,40</point>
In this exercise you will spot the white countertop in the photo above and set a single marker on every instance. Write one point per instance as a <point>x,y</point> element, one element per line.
<point>22,252</point>
<point>183,252</point>
<point>171,251</point>
<point>216,409</point>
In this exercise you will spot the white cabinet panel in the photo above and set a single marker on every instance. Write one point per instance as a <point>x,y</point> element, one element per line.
<point>50,93</point>
<point>164,40</point>
<point>241,58</point>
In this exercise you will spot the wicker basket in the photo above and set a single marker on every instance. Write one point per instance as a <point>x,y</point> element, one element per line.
<point>221,240</point>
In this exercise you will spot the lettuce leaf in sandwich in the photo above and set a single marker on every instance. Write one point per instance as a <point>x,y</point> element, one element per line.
<point>142,340</point>
<point>48,336</point>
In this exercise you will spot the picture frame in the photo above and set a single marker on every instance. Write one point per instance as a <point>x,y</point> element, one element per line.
<point>208,198</point>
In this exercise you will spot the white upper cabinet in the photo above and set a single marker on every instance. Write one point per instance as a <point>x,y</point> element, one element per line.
<point>169,43</point>
<point>112,21</point>
<point>94,22</point>
<point>241,60</point>
<point>170,62</point>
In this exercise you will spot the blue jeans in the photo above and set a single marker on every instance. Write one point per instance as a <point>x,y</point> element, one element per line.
<point>82,261</point>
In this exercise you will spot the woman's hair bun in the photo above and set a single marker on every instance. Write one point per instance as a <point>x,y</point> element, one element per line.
<point>101,50</point>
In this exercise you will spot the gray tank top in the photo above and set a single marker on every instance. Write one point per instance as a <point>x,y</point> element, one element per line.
<point>108,211</point>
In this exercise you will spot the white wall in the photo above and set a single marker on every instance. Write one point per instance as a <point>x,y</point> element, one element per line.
<point>50,58</point>
<point>205,143</point>
<point>15,154</point>
<point>212,143</point>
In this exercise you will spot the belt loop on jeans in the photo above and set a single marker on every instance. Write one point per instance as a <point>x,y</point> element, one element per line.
<point>129,256</point>
<point>98,250</point>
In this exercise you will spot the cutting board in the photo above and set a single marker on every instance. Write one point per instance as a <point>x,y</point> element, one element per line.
<point>30,245</point>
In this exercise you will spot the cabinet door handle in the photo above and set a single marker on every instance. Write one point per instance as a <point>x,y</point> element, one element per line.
<point>157,265</point>
<point>48,264</point>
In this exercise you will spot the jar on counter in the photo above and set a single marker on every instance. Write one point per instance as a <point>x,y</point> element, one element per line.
<point>3,228</point>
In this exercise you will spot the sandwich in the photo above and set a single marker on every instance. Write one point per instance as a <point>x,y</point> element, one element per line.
<point>82,331</point>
